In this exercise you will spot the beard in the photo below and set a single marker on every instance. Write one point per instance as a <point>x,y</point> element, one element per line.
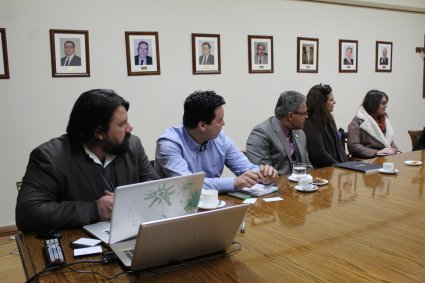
<point>116,149</point>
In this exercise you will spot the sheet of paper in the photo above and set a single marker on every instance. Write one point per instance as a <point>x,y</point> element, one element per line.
<point>260,187</point>
<point>87,242</point>
<point>272,199</point>
<point>250,200</point>
<point>88,251</point>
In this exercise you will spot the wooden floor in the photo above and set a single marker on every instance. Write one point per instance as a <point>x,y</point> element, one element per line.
<point>10,262</point>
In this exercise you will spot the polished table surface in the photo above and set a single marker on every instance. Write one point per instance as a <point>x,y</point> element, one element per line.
<point>358,228</point>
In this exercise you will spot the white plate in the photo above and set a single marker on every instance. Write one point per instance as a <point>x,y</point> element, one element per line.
<point>413,162</point>
<point>220,204</point>
<point>312,189</point>
<point>321,184</point>
<point>293,179</point>
<point>395,171</point>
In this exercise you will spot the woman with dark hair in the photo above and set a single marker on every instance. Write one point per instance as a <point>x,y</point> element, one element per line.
<point>370,132</point>
<point>323,144</point>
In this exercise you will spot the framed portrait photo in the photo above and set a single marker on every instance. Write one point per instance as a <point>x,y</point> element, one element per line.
<point>260,54</point>
<point>70,53</point>
<point>206,53</point>
<point>384,56</point>
<point>307,55</point>
<point>142,53</point>
<point>4,63</point>
<point>348,58</point>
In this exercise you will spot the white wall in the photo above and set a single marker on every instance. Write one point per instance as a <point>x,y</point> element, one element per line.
<point>35,106</point>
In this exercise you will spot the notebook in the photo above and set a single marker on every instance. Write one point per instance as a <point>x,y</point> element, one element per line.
<point>260,190</point>
<point>181,238</point>
<point>360,166</point>
<point>148,201</point>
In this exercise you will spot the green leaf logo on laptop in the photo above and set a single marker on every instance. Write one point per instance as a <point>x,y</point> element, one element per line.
<point>192,203</point>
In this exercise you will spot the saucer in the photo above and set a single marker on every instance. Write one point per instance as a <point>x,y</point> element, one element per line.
<point>294,179</point>
<point>413,162</point>
<point>220,204</point>
<point>312,189</point>
<point>320,181</point>
<point>395,171</point>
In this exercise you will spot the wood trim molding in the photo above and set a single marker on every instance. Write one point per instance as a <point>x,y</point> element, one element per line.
<point>8,230</point>
<point>405,6</point>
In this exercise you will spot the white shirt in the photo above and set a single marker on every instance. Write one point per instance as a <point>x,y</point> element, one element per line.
<point>68,59</point>
<point>108,159</point>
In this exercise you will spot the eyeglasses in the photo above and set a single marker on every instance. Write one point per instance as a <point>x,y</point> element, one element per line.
<point>301,113</point>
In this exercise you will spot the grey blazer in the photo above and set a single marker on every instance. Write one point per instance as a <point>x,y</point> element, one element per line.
<point>267,145</point>
<point>60,185</point>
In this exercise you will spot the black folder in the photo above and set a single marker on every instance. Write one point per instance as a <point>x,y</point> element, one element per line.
<point>359,166</point>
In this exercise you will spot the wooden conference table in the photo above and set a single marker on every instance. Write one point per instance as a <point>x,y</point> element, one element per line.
<point>358,228</point>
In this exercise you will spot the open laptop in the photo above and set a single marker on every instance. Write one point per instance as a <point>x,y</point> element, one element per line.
<point>181,238</point>
<point>148,201</point>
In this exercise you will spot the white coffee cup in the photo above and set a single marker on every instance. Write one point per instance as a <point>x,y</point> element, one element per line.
<point>299,170</point>
<point>388,167</point>
<point>306,182</point>
<point>209,198</point>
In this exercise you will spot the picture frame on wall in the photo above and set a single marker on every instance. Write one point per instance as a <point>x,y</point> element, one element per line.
<point>142,48</point>
<point>307,55</point>
<point>4,63</point>
<point>206,57</point>
<point>384,56</point>
<point>260,54</point>
<point>348,56</point>
<point>70,53</point>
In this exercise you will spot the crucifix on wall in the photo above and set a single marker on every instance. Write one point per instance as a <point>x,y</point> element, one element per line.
<point>421,51</point>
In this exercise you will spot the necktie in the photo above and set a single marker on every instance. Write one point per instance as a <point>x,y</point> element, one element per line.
<point>141,62</point>
<point>67,61</point>
<point>205,60</point>
<point>259,61</point>
<point>295,154</point>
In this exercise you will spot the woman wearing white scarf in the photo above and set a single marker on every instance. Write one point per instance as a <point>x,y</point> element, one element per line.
<point>370,132</point>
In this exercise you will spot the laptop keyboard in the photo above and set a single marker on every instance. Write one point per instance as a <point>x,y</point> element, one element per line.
<point>129,254</point>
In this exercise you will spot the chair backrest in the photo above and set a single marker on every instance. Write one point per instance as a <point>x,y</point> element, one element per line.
<point>18,185</point>
<point>414,136</point>
<point>343,136</point>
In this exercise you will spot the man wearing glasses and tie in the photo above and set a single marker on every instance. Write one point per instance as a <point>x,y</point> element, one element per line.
<point>280,141</point>
<point>71,59</point>
<point>206,58</point>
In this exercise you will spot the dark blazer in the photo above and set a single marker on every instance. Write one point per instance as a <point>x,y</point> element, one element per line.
<point>324,145</point>
<point>348,62</point>
<point>383,60</point>
<point>60,185</point>
<point>75,61</point>
<point>210,60</point>
<point>148,60</point>
<point>267,145</point>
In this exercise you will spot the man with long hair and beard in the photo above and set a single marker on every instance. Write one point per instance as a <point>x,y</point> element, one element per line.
<point>70,180</point>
